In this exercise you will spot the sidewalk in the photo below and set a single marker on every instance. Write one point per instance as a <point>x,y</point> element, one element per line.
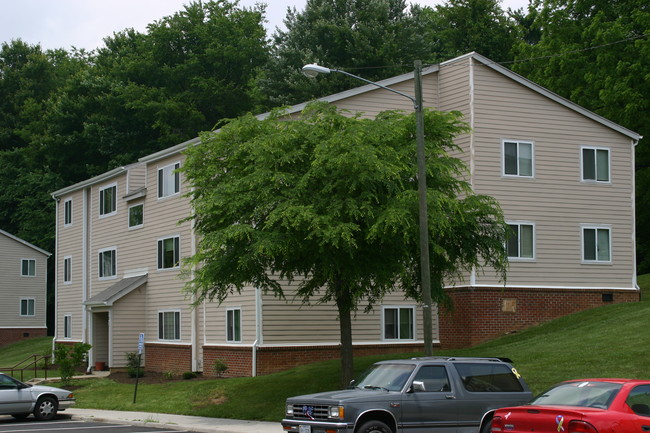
<point>175,422</point>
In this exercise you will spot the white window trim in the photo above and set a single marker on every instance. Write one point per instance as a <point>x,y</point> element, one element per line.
<point>503,158</point>
<point>99,210</point>
<point>609,165</point>
<point>67,282</point>
<point>241,331</point>
<point>128,217</point>
<point>180,330</point>
<point>65,202</point>
<point>582,243</point>
<point>161,168</point>
<point>383,322</point>
<point>21,267</point>
<point>21,307</point>
<point>103,250</point>
<point>525,259</point>
<point>178,264</point>
<point>67,318</point>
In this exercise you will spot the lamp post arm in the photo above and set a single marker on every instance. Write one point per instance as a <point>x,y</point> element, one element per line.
<point>415,103</point>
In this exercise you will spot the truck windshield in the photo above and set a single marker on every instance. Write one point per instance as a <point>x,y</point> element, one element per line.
<point>391,377</point>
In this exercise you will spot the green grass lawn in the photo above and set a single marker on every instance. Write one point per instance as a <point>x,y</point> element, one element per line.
<point>608,341</point>
<point>16,353</point>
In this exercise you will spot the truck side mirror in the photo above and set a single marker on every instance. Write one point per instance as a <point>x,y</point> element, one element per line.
<point>418,386</point>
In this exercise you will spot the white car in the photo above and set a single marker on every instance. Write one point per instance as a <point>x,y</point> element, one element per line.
<point>20,399</point>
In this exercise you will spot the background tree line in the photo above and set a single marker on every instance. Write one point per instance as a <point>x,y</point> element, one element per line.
<point>66,116</point>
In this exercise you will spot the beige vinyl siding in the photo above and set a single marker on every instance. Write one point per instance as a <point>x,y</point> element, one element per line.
<point>555,199</point>
<point>15,287</point>
<point>215,318</point>
<point>136,177</point>
<point>128,322</point>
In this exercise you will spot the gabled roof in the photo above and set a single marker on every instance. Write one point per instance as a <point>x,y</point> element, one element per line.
<point>117,291</point>
<point>17,239</point>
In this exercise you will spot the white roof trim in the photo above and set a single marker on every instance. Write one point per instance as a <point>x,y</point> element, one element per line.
<point>17,239</point>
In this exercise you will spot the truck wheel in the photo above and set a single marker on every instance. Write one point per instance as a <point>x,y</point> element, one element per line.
<point>487,427</point>
<point>375,427</point>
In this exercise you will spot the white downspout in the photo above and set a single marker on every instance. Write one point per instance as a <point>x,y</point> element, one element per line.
<point>258,329</point>
<point>56,280</point>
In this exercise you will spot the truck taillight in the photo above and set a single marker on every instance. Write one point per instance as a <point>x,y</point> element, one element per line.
<point>497,424</point>
<point>577,426</point>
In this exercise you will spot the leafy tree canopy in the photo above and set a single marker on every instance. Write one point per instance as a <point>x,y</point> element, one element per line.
<point>333,198</point>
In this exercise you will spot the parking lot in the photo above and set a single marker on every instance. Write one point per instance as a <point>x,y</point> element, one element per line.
<point>64,424</point>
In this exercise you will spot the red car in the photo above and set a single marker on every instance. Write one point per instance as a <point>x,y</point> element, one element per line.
<point>582,406</point>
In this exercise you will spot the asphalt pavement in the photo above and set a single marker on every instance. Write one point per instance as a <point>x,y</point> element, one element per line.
<point>175,422</point>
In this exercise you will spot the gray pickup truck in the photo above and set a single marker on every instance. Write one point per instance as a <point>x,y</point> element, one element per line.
<point>441,395</point>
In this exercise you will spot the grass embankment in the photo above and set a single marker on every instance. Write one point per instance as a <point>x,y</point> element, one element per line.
<point>609,341</point>
<point>16,353</point>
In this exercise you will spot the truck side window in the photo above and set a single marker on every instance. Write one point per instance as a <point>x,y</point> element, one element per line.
<point>488,378</point>
<point>434,378</point>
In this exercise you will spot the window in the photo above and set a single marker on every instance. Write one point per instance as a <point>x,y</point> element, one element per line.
<point>434,378</point>
<point>596,244</point>
<point>595,164</point>
<point>27,307</point>
<point>67,326</point>
<point>168,253</point>
<point>169,325</point>
<point>168,180</point>
<point>136,216</point>
<point>518,158</point>
<point>521,241</point>
<point>107,263</point>
<point>398,323</point>
<point>639,400</point>
<point>67,270</point>
<point>233,320</point>
<point>28,268</point>
<point>488,377</point>
<point>108,200</point>
<point>67,212</point>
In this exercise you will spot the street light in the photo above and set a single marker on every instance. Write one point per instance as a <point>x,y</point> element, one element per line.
<point>312,70</point>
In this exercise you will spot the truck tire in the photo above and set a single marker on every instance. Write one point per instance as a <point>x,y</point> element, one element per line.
<point>487,427</point>
<point>374,427</point>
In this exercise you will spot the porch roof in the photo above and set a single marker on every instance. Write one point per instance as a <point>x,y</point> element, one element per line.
<point>116,291</point>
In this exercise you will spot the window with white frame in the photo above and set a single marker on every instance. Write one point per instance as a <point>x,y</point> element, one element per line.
<point>595,164</point>
<point>169,325</point>
<point>27,306</point>
<point>28,267</point>
<point>136,216</point>
<point>67,269</point>
<point>67,326</point>
<point>399,323</point>
<point>67,212</point>
<point>108,200</point>
<point>168,180</point>
<point>233,325</point>
<point>596,244</point>
<point>107,266</point>
<point>518,158</point>
<point>521,240</point>
<point>169,252</point>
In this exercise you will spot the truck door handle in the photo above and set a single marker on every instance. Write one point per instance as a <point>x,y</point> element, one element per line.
<point>450,397</point>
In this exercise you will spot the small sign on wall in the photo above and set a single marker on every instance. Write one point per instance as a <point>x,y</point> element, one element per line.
<point>509,306</point>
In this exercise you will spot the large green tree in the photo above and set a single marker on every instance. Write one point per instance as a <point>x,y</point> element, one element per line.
<point>382,37</point>
<point>332,198</point>
<point>597,54</point>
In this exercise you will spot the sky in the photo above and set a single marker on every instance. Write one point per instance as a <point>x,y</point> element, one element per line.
<point>85,23</point>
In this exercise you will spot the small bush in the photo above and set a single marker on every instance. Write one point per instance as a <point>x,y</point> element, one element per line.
<point>189,375</point>
<point>133,367</point>
<point>169,375</point>
<point>220,367</point>
<point>69,359</point>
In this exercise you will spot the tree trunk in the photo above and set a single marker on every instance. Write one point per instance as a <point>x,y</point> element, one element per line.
<point>343,302</point>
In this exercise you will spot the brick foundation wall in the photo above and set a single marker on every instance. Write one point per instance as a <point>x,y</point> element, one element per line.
<point>274,359</point>
<point>8,336</point>
<point>163,358</point>
<point>481,314</point>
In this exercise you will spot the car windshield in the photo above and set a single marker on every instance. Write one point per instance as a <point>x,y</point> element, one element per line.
<point>391,377</point>
<point>587,394</point>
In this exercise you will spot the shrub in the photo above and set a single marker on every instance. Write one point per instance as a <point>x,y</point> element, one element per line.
<point>69,358</point>
<point>220,367</point>
<point>133,367</point>
<point>189,375</point>
<point>169,375</point>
